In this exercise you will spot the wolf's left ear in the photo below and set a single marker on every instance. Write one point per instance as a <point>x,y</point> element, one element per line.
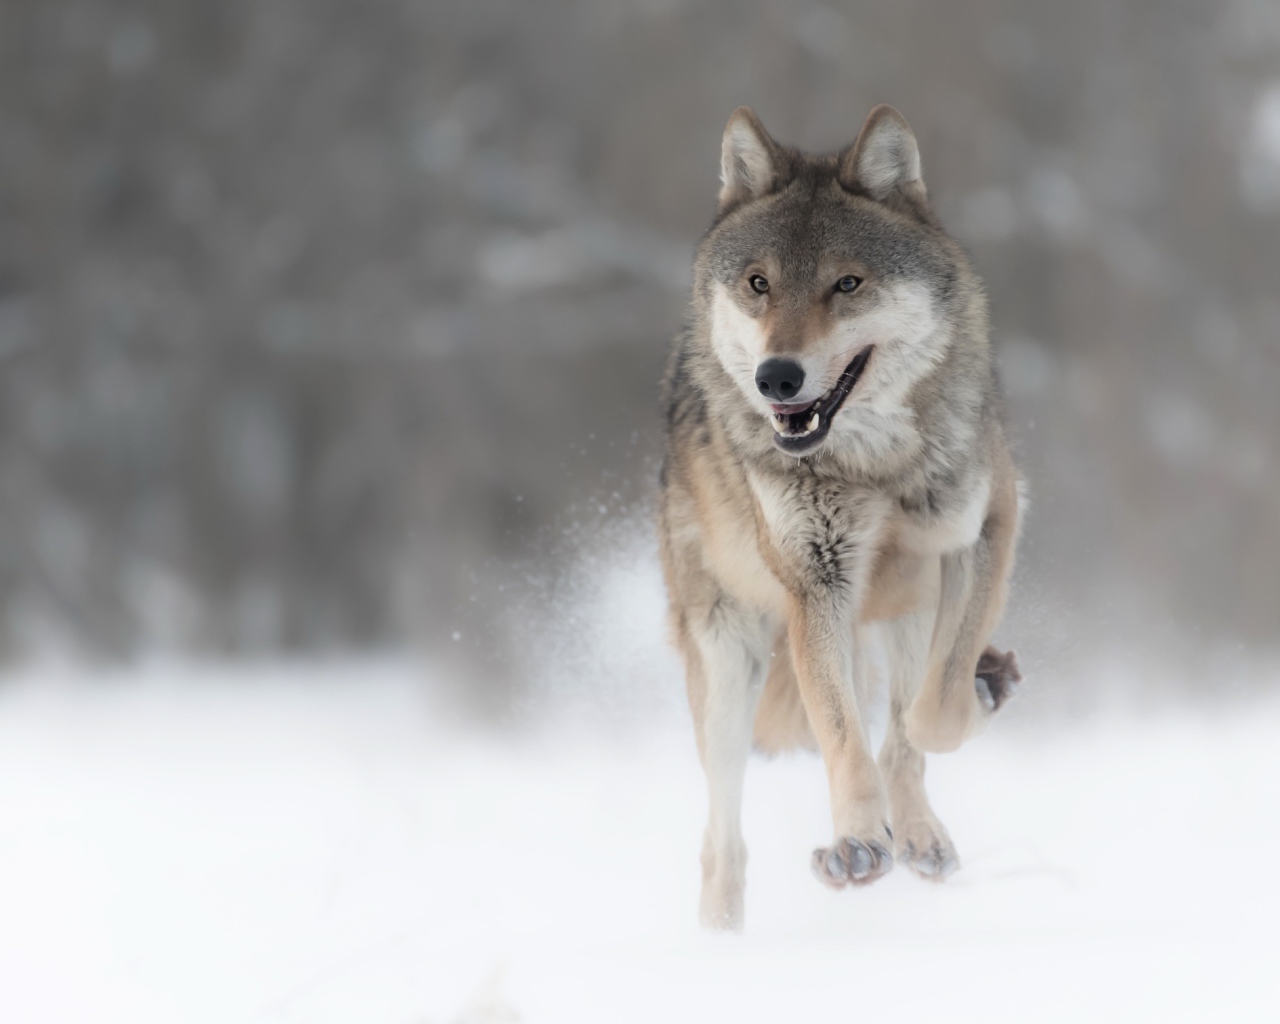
<point>750,161</point>
<point>884,162</point>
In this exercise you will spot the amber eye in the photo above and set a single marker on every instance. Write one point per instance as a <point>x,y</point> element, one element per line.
<point>759,285</point>
<point>848,283</point>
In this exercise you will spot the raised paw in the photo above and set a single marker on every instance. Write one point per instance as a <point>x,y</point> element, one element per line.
<point>926,848</point>
<point>997,678</point>
<point>851,862</point>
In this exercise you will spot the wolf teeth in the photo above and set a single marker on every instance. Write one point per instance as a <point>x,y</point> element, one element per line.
<point>783,423</point>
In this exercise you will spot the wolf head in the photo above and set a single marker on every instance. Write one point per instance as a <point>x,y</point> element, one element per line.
<point>826,282</point>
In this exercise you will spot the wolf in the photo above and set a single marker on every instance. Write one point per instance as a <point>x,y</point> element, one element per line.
<point>835,468</point>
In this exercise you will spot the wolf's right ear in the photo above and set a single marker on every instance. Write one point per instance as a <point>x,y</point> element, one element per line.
<point>749,160</point>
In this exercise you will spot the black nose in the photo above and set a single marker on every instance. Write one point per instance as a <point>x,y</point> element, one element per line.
<point>779,380</point>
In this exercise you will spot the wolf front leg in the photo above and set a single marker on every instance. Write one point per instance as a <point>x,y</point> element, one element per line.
<point>726,652</point>
<point>955,702</point>
<point>828,656</point>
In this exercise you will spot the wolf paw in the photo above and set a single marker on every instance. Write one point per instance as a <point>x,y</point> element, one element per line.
<point>926,848</point>
<point>997,678</point>
<point>851,862</point>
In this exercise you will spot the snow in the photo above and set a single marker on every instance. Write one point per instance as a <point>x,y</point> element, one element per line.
<point>317,843</point>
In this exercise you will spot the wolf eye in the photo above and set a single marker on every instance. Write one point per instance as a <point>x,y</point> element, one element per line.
<point>848,283</point>
<point>758,284</point>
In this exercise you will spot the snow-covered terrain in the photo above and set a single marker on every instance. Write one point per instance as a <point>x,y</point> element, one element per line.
<point>312,844</point>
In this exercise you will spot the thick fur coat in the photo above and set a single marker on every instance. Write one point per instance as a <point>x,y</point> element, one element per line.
<point>835,459</point>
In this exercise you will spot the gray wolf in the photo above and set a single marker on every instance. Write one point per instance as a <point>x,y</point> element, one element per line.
<point>835,466</point>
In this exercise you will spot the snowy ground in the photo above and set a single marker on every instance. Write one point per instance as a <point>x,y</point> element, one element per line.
<point>297,844</point>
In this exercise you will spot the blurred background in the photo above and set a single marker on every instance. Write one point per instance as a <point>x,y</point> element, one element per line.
<point>337,327</point>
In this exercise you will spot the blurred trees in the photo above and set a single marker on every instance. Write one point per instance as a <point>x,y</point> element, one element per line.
<point>313,314</point>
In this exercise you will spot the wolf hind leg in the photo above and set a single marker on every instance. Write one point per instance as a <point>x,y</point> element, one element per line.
<point>782,723</point>
<point>727,654</point>
<point>920,839</point>
<point>966,680</point>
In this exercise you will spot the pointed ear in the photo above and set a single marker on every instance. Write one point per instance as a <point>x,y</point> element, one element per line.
<point>884,162</point>
<point>750,161</point>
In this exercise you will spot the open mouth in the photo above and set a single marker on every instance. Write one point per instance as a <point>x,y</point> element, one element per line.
<point>801,429</point>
